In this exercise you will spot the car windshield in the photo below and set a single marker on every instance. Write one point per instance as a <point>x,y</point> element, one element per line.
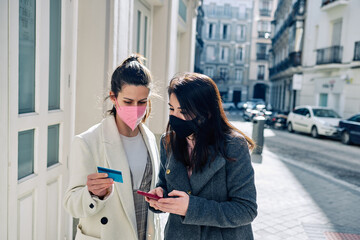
<point>325,113</point>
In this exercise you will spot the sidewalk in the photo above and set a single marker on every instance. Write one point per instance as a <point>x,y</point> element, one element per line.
<point>296,203</point>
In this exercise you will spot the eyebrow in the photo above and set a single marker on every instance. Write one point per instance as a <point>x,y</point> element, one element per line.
<point>133,99</point>
<point>172,106</point>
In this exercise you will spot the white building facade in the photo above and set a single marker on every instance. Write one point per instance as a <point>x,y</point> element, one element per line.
<point>286,53</point>
<point>226,35</point>
<point>331,63</point>
<point>56,61</point>
<point>259,84</point>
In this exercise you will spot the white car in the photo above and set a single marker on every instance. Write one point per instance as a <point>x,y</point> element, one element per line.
<point>314,120</point>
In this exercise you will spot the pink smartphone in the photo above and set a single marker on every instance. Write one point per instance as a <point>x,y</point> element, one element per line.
<point>149,195</point>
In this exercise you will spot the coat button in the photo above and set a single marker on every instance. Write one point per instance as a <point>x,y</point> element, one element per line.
<point>91,205</point>
<point>104,220</point>
<point>167,171</point>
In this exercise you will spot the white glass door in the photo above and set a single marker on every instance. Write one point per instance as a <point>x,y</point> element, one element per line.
<point>141,28</point>
<point>39,109</point>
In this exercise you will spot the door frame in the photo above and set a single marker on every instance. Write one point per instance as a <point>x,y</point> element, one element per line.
<point>4,113</point>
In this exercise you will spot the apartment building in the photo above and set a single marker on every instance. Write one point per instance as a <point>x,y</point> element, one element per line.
<point>226,35</point>
<point>331,62</point>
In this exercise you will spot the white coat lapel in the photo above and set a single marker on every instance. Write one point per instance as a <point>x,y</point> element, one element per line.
<point>150,143</point>
<point>116,159</point>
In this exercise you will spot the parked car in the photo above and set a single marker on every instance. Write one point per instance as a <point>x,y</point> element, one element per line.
<point>350,130</point>
<point>228,106</point>
<point>278,120</point>
<point>314,120</point>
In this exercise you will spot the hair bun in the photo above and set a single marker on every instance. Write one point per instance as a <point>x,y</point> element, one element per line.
<point>134,57</point>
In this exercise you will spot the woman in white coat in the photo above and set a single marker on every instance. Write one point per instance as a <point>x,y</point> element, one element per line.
<point>107,209</point>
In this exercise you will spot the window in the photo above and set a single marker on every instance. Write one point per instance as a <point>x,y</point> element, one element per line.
<point>53,145</point>
<point>238,75</point>
<point>264,29</point>
<point>265,7</point>
<point>210,53</point>
<point>225,31</point>
<point>306,112</point>
<point>54,54</point>
<point>27,39</point>
<point>261,72</point>
<point>138,31</point>
<point>223,73</point>
<point>182,10</point>
<point>299,111</point>
<point>262,50</point>
<point>209,71</point>
<point>227,10</point>
<point>239,54</point>
<point>323,100</point>
<point>25,153</point>
<point>211,32</point>
<point>336,33</point>
<point>240,32</point>
<point>224,54</point>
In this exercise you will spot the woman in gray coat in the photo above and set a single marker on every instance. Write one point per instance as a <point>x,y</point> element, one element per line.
<point>206,179</point>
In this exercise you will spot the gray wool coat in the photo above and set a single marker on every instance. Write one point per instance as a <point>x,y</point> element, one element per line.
<point>222,197</point>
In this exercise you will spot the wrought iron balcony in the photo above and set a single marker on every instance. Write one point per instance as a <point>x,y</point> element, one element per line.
<point>265,12</point>
<point>329,55</point>
<point>357,51</point>
<point>338,2</point>
<point>262,56</point>
<point>260,76</point>
<point>264,34</point>
<point>293,60</point>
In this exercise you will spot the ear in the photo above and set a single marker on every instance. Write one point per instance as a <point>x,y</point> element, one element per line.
<point>112,97</point>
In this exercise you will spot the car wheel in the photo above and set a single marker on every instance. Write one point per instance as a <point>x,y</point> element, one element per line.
<point>314,132</point>
<point>290,128</point>
<point>345,138</point>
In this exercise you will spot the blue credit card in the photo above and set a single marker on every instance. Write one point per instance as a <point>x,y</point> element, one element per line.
<point>114,174</point>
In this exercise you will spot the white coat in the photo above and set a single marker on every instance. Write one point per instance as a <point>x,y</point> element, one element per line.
<point>113,217</point>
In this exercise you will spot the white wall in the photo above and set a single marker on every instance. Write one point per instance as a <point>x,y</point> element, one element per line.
<point>92,62</point>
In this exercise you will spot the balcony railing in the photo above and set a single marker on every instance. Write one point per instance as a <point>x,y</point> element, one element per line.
<point>260,76</point>
<point>265,12</point>
<point>262,56</point>
<point>327,2</point>
<point>264,34</point>
<point>293,60</point>
<point>357,51</point>
<point>298,9</point>
<point>329,55</point>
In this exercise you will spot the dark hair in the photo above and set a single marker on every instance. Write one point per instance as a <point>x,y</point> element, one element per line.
<point>132,71</point>
<point>199,97</point>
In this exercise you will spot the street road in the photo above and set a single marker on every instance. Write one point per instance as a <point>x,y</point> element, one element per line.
<point>324,155</point>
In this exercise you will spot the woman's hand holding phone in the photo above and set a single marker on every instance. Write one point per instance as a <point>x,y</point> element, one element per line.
<point>158,192</point>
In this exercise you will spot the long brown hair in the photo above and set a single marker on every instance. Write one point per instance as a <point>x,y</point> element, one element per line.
<point>199,96</point>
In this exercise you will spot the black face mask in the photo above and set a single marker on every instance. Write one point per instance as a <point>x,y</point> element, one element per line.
<point>181,127</point>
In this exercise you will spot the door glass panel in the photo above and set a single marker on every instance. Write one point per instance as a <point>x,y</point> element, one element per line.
<point>53,145</point>
<point>145,35</point>
<point>54,54</point>
<point>323,99</point>
<point>138,32</point>
<point>25,153</point>
<point>27,56</point>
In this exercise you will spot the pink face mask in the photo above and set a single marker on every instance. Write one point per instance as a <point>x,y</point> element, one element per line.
<point>131,115</point>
